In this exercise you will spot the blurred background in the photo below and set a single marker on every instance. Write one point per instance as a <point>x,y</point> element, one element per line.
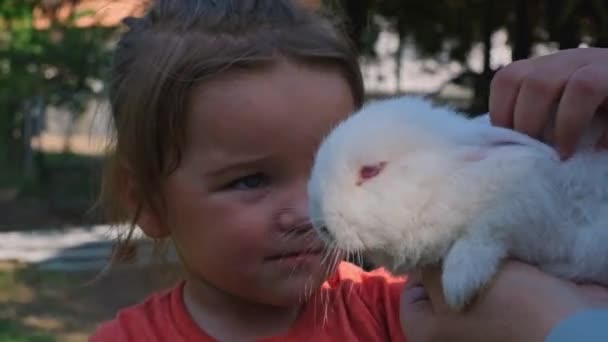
<point>54,57</point>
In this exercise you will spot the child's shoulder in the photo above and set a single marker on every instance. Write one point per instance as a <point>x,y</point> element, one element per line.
<point>133,323</point>
<point>377,288</point>
<point>159,317</point>
<point>162,316</point>
<point>364,305</point>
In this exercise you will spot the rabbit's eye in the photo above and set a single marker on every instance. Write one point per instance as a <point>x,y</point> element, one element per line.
<point>367,172</point>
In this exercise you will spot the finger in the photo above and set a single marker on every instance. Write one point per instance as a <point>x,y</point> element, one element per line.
<point>548,135</point>
<point>504,88</point>
<point>585,91</point>
<point>603,141</point>
<point>414,290</point>
<point>416,315</point>
<point>431,279</point>
<point>604,107</point>
<point>426,321</point>
<point>420,324</point>
<point>597,294</point>
<point>414,279</point>
<point>603,112</point>
<point>537,99</point>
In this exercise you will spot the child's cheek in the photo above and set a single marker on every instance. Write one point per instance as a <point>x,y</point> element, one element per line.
<point>253,198</point>
<point>250,216</point>
<point>236,197</point>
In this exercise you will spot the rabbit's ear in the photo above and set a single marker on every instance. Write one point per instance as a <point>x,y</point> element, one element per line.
<point>486,140</point>
<point>491,135</point>
<point>498,136</point>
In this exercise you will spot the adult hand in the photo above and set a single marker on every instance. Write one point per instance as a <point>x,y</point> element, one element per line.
<point>569,86</point>
<point>522,304</point>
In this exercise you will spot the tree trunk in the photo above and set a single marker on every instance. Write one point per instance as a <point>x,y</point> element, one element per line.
<point>482,83</point>
<point>566,33</point>
<point>33,114</point>
<point>356,12</point>
<point>569,35</point>
<point>522,38</point>
<point>399,53</point>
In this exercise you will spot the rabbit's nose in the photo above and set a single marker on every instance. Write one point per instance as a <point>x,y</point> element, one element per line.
<point>325,234</point>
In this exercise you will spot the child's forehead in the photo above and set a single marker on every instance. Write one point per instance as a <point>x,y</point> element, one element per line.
<point>285,103</point>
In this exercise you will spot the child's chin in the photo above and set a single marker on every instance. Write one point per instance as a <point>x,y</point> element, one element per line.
<point>297,293</point>
<point>304,266</point>
<point>301,286</point>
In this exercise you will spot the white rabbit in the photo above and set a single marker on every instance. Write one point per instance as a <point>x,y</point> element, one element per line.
<point>409,184</point>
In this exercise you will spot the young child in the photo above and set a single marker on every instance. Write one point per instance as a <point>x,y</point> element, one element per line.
<point>219,107</point>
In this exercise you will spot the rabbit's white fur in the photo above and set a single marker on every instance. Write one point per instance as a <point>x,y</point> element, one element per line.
<point>461,192</point>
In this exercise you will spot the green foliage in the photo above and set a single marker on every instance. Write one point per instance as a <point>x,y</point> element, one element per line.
<point>6,280</point>
<point>57,62</point>
<point>58,65</point>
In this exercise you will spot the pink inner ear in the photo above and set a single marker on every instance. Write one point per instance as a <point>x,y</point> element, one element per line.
<point>476,155</point>
<point>483,151</point>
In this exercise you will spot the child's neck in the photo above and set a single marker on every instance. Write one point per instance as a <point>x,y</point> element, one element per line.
<point>229,318</point>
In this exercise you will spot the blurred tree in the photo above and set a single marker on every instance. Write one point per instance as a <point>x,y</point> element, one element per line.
<point>356,20</point>
<point>521,29</point>
<point>55,65</point>
<point>571,22</point>
<point>447,30</point>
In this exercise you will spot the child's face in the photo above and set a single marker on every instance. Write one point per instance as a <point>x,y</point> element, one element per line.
<point>238,200</point>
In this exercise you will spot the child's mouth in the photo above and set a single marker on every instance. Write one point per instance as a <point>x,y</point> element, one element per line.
<point>294,255</point>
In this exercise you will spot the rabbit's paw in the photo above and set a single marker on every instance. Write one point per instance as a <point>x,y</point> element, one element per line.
<point>468,267</point>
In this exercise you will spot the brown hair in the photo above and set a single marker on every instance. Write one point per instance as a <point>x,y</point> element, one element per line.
<point>178,44</point>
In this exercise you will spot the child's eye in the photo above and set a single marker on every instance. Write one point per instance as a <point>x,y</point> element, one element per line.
<point>249,182</point>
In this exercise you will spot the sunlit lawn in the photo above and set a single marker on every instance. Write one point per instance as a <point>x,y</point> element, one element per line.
<point>45,306</point>
<point>12,331</point>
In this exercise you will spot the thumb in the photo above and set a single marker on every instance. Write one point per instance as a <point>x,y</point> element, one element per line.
<point>595,294</point>
<point>431,278</point>
<point>416,312</point>
<point>425,316</point>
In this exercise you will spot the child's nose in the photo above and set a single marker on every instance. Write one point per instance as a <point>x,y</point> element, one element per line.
<point>294,219</point>
<point>294,216</point>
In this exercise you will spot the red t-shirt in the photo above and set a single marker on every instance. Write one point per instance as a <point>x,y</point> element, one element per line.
<point>362,306</point>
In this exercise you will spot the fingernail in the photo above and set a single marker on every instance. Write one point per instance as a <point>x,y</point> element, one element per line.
<point>601,145</point>
<point>417,294</point>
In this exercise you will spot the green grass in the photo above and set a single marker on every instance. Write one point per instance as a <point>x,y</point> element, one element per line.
<point>13,283</point>
<point>45,280</point>
<point>6,280</point>
<point>11,331</point>
<point>50,306</point>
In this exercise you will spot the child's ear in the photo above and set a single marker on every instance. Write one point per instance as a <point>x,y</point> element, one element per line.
<point>147,219</point>
<point>149,222</point>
